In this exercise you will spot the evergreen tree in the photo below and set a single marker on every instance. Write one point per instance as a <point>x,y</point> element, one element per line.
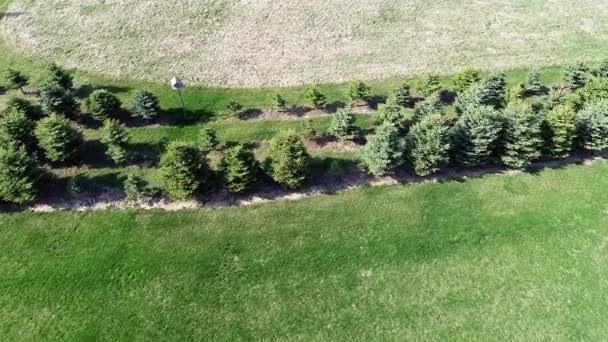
<point>533,83</point>
<point>429,84</point>
<point>465,79</point>
<point>592,92</point>
<point>103,105</point>
<point>20,175</point>
<point>428,144</point>
<point>279,103</point>
<point>358,92</point>
<point>475,136</point>
<point>314,95</point>
<point>391,114</point>
<point>145,105</point>
<point>55,99</point>
<point>114,136</point>
<point>16,129</point>
<point>238,168</point>
<point>288,162</point>
<point>592,126</point>
<point>490,92</point>
<point>135,187</point>
<point>57,138</point>
<point>602,70</point>
<point>60,77</point>
<point>343,124</point>
<point>401,95</point>
<point>383,152</point>
<point>207,138</point>
<point>22,105</point>
<point>17,79</point>
<point>431,105</point>
<point>561,122</point>
<point>575,75</point>
<point>183,170</point>
<point>523,139</point>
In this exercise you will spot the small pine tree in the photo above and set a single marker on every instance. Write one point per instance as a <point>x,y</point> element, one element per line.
<point>22,105</point>
<point>489,92</point>
<point>59,76</point>
<point>57,138</point>
<point>183,170</point>
<point>556,97</point>
<point>288,162</point>
<point>238,168</point>
<point>316,98</point>
<point>401,95</point>
<point>17,79</point>
<point>207,138</point>
<point>523,135</point>
<point>55,99</point>
<point>16,129</point>
<point>234,107</point>
<point>517,92</point>
<point>575,75</point>
<point>391,114</point>
<point>279,103</point>
<point>135,187</point>
<point>561,122</point>
<point>103,105</point>
<point>592,126</point>
<point>602,70</point>
<point>383,152</point>
<point>429,145</point>
<point>475,136</point>
<point>343,124</point>
<point>466,78</point>
<point>309,129</point>
<point>533,83</point>
<point>115,137</point>
<point>358,92</point>
<point>429,84</point>
<point>145,105</point>
<point>431,105</point>
<point>592,92</point>
<point>20,175</point>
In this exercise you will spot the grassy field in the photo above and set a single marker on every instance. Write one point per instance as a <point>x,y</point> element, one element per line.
<point>515,258</point>
<point>270,43</point>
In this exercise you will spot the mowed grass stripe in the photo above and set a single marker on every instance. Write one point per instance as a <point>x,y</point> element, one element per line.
<point>519,257</point>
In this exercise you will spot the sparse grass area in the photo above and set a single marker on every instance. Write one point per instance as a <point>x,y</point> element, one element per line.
<point>498,258</point>
<point>236,43</point>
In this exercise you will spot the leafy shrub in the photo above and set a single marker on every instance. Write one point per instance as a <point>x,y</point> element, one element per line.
<point>17,79</point>
<point>431,105</point>
<point>23,105</point>
<point>429,84</point>
<point>533,83</point>
<point>103,105</point>
<point>561,122</point>
<point>383,152</point>
<point>343,124</point>
<point>183,170</point>
<point>207,138</point>
<point>316,98</point>
<point>288,161</point>
<point>135,187</point>
<point>57,138</point>
<point>145,105</point>
<point>428,144</point>
<point>20,175</point>
<point>523,138</point>
<point>401,95</point>
<point>575,75</point>
<point>358,92</point>
<point>279,103</point>
<point>391,114</point>
<point>55,99</point>
<point>234,107</point>
<point>114,136</point>
<point>466,78</point>
<point>475,136</point>
<point>592,126</point>
<point>238,168</point>
<point>60,77</point>
<point>17,129</point>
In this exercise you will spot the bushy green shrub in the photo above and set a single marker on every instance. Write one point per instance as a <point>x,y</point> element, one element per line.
<point>358,92</point>
<point>428,144</point>
<point>103,105</point>
<point>17,79</point>
<point>17,129</point>
<point>279,103</point>
<point>431,105</point>
<point>523,139</point>
<point>391,114</point>
<point>145,105</point>
<point>183,170</point>
<point>238,168</point>
<point>115,137</point>
<point>576,76</point>
<point>135,187</point>
<point>288,162</point>
<point>429,84</point>
<point>55,99</point>
<point>533,83</point>
<point>316,98</point>
<point>207,138</point>
<point>592,126</point>
<point>401,95</point>
<point>57,138</point>
<point>343,124</point>
<point>20,175</point>
<point>475,136</point>
<point>60,77</point>
<point>561,123</point>
<point>383,152</point>
<point>24,106</point>
<point>466,78</point>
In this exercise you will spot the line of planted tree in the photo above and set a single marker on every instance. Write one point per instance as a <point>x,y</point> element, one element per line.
<point>491,125</point>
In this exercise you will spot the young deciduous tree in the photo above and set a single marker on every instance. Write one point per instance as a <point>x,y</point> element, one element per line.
<point>523,135</point>
<point>475,136</point>
<point>145,105</point>
<point>288,162</point>
<point>59,76</point>
<point>103,105</point>
<point>316,98</point>
<point>358,92</point>
<point>115,137</point>
<point>428,144</point>
<point>238,168</point>
<point>183,169</point>
<point>561,122</point>
<point>20,175</point>
<point>429,84</point>
<point>592,126</point>
<point>383,152</point>
<point>17,79</point>
<point>343,124</point>
<point>401,95</point>
<point>576,76</point>
<point>57,138</point>
<point>16,129</point>
<point>466,78</point>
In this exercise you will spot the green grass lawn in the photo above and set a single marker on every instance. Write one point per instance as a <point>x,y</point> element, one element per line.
<point>519,257</point>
